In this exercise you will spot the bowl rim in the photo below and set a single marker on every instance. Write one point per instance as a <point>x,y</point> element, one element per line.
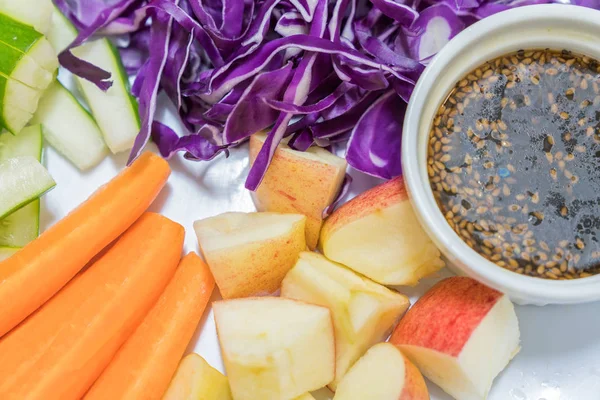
<point>521,288</point>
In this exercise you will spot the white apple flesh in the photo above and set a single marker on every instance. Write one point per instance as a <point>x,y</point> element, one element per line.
<point>461,335</point>
<point>303,182</point>
<point>196,379</point>
<point>250,253</point>
<point>363,311</point>
<point>377,234</point>
<point>383,373</point>
<point>275,348</point>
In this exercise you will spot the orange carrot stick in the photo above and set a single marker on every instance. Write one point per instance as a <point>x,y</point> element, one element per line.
<point>39,270</point>
<point>144,366</point>
<point>60,350</point>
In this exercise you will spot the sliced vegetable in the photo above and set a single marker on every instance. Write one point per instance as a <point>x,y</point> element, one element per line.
<point>27,65</point>
<point>7,252</point>
<point>195,379</point>
<point>144,365</point>
<point>26,40</point>
<point>65,345</point>
<point>22,180</point>
<point>18,102</point>
<point>36,13</point>
<point>12,119</point>
<point>27,143</point>
<point>70,128</point>
<point>21,67</point>
<point>45,265</point>
<point>62,32</point>
<point>22,226</point>
<point>115,110</point>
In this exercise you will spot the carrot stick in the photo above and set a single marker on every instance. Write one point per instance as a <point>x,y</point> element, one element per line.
<point>40,269</point>
<point>60,350</point>
<point>144,366</point>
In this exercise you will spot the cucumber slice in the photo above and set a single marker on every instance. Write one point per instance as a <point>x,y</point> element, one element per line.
<point>13,119</point>
<point>18,102</point>
<point>26,40</point>
<point>70,128</point>
<point>36,13</point>
<point>22,226</point>
<point>62,32</point>
<point>115,110</point>
<point>28,142</point>
<point>23,68</point>
<point>6,252</point>
<point>22,180</point>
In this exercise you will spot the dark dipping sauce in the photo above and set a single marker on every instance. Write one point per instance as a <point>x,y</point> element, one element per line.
<point>514,162</point>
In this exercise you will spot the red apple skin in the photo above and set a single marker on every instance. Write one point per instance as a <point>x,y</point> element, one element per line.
<point>446,316</point>
<point>379,197</point>
<point>415,387</point>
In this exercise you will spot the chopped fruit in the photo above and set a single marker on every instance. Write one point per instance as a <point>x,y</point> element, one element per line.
<point>378,234</point>
<point>195,379</point>
<point>304,182</point>
<point>363,311</point>
<point>460,334</point>
<point>305,396</point>
<point>250,253</point>
<point>275,348</point>
<point>383,373</point>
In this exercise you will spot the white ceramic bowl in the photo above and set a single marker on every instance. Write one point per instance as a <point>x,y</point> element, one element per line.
<point>541,26</point>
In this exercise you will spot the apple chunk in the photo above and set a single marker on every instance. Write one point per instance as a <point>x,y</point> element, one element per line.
<point>378,235</point>
<point>275,348</point>
<point>299,182</point>
<point>195,379</point>
<point>363,311</point>
<point>460,334</point>
<point>383,373</point>
<point>305,396</point>
<point>250,253</point>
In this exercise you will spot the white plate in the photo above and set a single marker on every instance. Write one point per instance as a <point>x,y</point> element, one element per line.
<point>560,358</point>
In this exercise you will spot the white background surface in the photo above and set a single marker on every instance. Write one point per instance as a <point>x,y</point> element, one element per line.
<point>560,356</point>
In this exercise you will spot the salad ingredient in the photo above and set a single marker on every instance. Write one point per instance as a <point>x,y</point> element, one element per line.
<point>363,311</point>
<point>275,348</point>
<point>70,128</point>
<point>303,182</point>
<point>66,247</point>
<point>22,226</point>
<point>520,184</point>
<point>377,234</point>
<point>21,67</point>
<point>250,253</point>
<point>62,32</point>
<point>196,379</point>
<point>6,252</point>
<point>22,180</point>
<point>460,335</point>
<point>67,343</point>
<point>12,119</point>
<point>36,13</point>
<point>383,373</point>
<point>145,364</point>
<point>28,41</point>
<point>27,56</point>
<point>305,396</point>
<point>28,142</point>
<point>115,110</point>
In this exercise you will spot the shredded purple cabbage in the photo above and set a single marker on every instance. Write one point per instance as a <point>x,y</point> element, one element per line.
<point>320,71</point>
